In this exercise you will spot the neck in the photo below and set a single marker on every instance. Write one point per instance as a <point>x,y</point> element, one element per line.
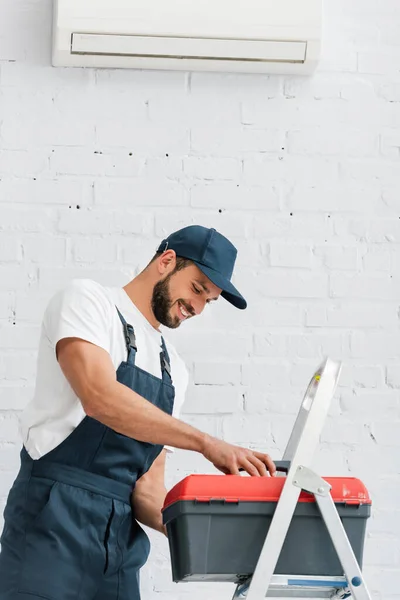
<point>140,291</point>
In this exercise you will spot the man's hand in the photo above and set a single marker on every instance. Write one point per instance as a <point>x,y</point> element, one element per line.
<point>232,459</point>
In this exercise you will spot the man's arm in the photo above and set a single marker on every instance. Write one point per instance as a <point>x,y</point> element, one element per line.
<point>91,374</point>
<point>149,495</point>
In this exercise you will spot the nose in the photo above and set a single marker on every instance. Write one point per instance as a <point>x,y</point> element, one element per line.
<point>198,305</point>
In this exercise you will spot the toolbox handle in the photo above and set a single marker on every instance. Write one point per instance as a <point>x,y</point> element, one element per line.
<point>282,466</point>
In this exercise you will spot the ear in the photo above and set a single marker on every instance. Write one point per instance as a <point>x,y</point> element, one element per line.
<point>166,262</point>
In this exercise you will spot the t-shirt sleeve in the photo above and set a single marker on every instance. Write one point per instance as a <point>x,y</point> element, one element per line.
<point>81,310</point>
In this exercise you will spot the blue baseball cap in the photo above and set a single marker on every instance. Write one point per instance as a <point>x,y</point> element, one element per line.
<point>212,253</point>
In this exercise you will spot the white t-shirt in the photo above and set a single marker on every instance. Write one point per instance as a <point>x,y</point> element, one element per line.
<point>87,310</point>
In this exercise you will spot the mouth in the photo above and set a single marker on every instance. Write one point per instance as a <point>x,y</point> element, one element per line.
<point>182,312</point>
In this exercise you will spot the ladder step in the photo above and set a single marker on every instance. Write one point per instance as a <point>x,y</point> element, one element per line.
<point>299,586</point>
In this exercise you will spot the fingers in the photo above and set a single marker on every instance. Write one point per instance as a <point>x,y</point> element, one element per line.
<point>267,460</point>
<point>258,464</point>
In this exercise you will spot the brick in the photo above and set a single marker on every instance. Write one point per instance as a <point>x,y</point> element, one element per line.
<point>148,138</point>
<point>291,255</point>
<point>338,430</point>
<point>352,315</point>
<point>235,223</point>
<point>276,283</point>
<point>383,552</point>
<point>300,227</point>
<point>19,337</point>
<point>92,250</point>
<point>9,427</point>
<point>10,249</point>
<point>273,313</point>
<point>24,163</point>
<point>44,249</point>
<point>7,303</point>
<point>338,257</point>
<point>141,193</point>
<point>375,345</point>
<point>30,306</point>
<point>216,373</point>
<point>306,171</point>
<point>318,345</point>
<point>235,141</point>
<point>390,92</point>
<point>15,396</point>
<point>333,198</point>
<point>390,201</point>
<point>6,480</point>
<point>318,88</point>
<point>15,278</point>
<point>377,287</point>
<point>104,221</point>
<point>164,168</point>
<point>362,404</point>
<point>9,457</point>
<point>196,343</point>
<point>238,86</point>
<point>386,434</point>
<point>42,191</point>
<point>209,399</point>
<point>26,219</point>
<point>88,162</point>
<point>231,195</point>
<point>20,367</point>
<point>376,259</point>
<point>133,250</point>
<point>263,169</point>
<point>47,130</point>
<point>265,374</point>
<point>390,144</point>
<point>186,109</point>
<point>385,62</point>
<point>52,279</point>
<point>272,345</point>
<point>212,168</point>
<point>393,376</point>
<point>332,142</point>
<point>272,402</point>
<point>251,429</point>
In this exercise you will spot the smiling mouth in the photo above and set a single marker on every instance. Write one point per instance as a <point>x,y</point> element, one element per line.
<point>184,313</point>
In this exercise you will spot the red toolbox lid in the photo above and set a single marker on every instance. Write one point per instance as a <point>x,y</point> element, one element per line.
<point>236,488</point>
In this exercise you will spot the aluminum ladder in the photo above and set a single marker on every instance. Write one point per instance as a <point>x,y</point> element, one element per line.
<point>299,453</point>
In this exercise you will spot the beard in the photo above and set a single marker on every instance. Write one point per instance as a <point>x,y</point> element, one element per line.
<point>161,304</point>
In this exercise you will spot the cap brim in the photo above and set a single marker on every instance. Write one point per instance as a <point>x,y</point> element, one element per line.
<point>229,292</point>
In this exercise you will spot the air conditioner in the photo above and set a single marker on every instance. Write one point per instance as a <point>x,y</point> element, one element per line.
<point>256,36</point>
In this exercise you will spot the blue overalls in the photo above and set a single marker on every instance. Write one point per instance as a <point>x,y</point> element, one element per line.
<point>70,533</point>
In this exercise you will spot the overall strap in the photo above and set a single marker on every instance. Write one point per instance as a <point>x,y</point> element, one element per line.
<point>130,339</point>
<point>165,363</point>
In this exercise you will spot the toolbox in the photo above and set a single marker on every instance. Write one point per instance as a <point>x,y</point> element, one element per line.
<point>217,525</point>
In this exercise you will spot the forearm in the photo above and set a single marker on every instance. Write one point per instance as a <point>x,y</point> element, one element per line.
<point>147,508</point>
<point>128,413</point>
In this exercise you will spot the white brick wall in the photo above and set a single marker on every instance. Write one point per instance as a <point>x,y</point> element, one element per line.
<point>303,174</point>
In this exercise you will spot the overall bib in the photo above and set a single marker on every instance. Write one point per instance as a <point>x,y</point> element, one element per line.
<point>70,532</point>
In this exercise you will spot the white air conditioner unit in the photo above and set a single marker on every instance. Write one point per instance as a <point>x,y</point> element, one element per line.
<point>255,36</point>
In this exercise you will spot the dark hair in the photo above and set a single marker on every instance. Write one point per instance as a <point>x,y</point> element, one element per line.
<point>181,263</point>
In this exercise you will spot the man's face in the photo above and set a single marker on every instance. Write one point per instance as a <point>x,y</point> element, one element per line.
<point>181,295</point>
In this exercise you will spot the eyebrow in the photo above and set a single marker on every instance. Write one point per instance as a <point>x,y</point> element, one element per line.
<point>205,288</point>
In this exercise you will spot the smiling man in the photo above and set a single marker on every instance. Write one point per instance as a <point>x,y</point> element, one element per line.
<point>106,402</point>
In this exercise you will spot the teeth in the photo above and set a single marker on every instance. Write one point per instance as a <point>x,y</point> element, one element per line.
<point>185,314</point>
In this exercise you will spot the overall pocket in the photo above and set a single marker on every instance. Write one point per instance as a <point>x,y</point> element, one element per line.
<point>64,544</point>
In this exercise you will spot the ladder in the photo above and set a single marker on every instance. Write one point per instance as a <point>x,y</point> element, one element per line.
<point>298,455</point>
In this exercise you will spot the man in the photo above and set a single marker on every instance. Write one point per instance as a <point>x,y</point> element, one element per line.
<point>107,395</point>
